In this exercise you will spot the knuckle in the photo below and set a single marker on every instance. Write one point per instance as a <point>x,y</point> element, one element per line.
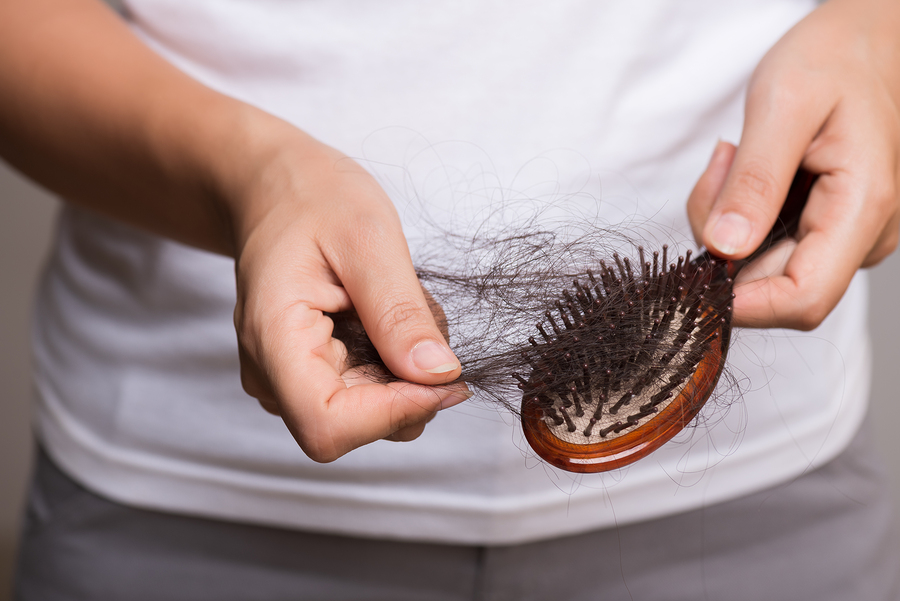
<point>369,230</point>
<point>812,316</point>
<point>409,419</point>
<point>412,409</point>
<point>889,245</point>
<point>401,315</point>
<point>408,433</point>
<point>324,436</point>
<point>805,324</point>
<point>320,456</point>
<point>318,448</point>
<point>883,249</point>
<point>884,199</point>
<point>249,384</point>
<point>250,377</point>
<point>775,90</point>
<point>757,185</point>
<point>269,406</point>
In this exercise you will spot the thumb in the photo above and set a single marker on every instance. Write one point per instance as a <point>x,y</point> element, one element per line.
<point>773,144</point>
<point>748,205</point>
<point>390,301</point>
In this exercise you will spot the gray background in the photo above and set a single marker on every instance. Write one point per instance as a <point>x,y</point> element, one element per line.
<point>26,216</point>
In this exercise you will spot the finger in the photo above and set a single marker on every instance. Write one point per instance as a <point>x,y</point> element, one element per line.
<point>778,128</point>
<point>886,244</point>
<point>407,434</point>
<point>327,417</point>
<point>362,375</point>
<point>708,187</point>
<point>772,263</point>
<point>821,266</point>
<point>799,299</point>
<point>254,384</point>
<point>270,405</point>
<point>849,220</point>
<point>353,417</point>
<point>377,271</point>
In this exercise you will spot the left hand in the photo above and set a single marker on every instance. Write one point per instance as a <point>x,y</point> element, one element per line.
<point>826,97</point>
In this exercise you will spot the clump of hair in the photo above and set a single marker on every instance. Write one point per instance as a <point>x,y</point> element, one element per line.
<point>506,294</point>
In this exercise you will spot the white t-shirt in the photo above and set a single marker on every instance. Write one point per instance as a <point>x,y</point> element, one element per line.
<point>607,109</point>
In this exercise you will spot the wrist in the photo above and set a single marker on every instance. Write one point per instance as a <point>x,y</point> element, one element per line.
<point>264,163</point>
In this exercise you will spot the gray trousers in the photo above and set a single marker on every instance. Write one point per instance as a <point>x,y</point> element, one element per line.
<point>825,536</point>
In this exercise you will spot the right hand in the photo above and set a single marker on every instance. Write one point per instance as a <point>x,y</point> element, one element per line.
<point>826,97</point>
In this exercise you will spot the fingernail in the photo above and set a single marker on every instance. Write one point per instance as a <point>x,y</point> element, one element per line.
<point>456,398</point>
<point>434,358</point>
<point>731,233</point>
<point>717,152</point>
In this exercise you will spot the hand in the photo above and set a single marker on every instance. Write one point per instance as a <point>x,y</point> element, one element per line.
<point>109,125</point>
<point>319,235</point>
<point>825,96</point>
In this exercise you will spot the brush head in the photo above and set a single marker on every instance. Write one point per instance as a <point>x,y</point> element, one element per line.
<point>625,360</point>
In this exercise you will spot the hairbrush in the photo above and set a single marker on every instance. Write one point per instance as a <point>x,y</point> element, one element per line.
<point>622,359</point>
<point>587,413</point>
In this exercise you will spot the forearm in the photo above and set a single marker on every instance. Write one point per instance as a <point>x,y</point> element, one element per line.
<point>90,112</point>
